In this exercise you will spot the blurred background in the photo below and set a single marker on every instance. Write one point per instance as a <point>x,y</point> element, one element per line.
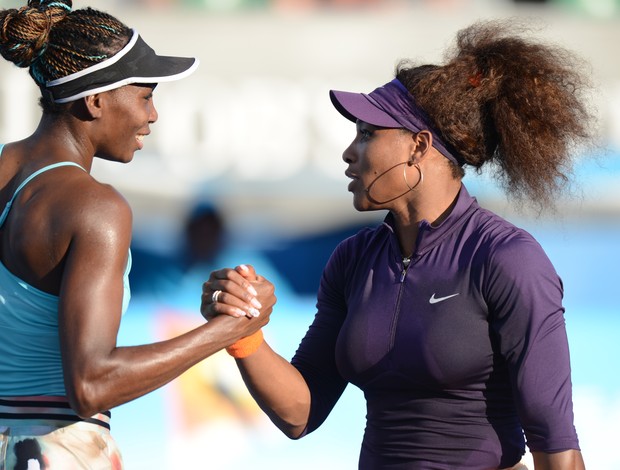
<point>244,166</point>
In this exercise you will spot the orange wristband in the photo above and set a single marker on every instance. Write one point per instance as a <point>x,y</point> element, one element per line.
<point>246,346</point>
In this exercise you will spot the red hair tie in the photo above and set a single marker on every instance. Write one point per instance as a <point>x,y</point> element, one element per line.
<point>475,80</point>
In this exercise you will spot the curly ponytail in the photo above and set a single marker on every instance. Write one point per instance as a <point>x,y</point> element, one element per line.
<point>505,99</point>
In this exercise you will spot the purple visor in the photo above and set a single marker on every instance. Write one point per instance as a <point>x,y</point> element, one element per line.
<point>391,106</point>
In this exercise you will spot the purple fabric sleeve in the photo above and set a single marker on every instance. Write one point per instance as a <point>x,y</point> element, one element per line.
<point>524,295</point>
<point>316,356</point>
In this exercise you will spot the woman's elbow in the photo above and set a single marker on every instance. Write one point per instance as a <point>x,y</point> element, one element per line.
<point>293,432</point>
<point>293,425</point>
<point>83,399</point>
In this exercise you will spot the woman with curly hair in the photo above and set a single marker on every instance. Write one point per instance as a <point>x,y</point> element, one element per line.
<point>65,238</point>
<point>448,317</point>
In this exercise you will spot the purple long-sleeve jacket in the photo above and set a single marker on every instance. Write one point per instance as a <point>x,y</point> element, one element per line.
<point>459,351</point>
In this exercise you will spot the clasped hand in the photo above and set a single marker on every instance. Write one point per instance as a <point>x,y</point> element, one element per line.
<point>238,292</point>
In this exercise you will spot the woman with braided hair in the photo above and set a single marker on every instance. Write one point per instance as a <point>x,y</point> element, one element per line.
<point>448,317</point>
<point>65,238</point>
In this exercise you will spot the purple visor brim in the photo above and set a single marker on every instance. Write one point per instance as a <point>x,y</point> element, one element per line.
<point>356,106</point>
<point>389,106</point>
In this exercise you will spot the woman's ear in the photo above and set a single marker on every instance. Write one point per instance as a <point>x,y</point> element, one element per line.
<point>422,142</point>
<point>93,105</point>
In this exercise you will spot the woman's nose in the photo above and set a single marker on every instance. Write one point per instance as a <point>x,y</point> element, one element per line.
<point>349,155</point>
<point>153,116</point>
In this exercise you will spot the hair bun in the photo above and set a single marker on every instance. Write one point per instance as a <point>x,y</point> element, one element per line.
<point>65,5</point>
<point>24,33</point>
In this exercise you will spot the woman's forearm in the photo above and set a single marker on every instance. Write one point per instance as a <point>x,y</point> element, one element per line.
<point>567,460</point>
<point>278,388</point>
<point>103,381</point>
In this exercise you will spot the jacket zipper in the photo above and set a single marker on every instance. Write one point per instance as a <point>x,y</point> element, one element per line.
<point>406,263</point>
<point>403,273</point>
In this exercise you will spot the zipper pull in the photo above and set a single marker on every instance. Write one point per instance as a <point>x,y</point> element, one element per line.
<point>406,262</point>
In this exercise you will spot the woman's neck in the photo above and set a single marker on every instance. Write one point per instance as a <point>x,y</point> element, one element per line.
<point>59,138</point>
<point>434,208</point>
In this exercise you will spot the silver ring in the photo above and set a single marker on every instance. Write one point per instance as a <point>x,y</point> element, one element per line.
<point>215,296</point>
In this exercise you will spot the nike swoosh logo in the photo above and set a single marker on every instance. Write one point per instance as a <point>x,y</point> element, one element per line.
<point>434,300</point>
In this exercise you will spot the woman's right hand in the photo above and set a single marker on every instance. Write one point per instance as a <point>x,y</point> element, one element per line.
<point>238,292</point>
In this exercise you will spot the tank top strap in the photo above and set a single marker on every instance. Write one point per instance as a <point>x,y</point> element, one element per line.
<point>7,208</point>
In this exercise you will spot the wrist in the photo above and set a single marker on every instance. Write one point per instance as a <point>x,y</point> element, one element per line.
<point>246,346</point>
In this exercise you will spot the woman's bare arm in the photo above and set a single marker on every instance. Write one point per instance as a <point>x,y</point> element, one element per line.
<point>99,375</point>
<point>277,386</point>
<point>567,460</point>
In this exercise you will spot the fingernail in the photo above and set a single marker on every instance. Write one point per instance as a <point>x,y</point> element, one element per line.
<point>244,267</point>
<point>254,312</point>
<point>239,312</point>
<point>252,291</point>
<point>256,303</point>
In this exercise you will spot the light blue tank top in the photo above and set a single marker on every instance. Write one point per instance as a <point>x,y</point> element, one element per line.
<point>30,362</point>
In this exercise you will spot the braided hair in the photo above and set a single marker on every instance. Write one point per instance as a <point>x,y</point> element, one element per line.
<point>505,99</point>
<point>54,41</point>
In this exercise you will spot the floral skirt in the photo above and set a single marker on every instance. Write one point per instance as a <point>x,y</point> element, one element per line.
<point>43,433</point>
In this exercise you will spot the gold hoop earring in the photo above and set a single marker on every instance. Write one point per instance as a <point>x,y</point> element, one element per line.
<point>417,167</point>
